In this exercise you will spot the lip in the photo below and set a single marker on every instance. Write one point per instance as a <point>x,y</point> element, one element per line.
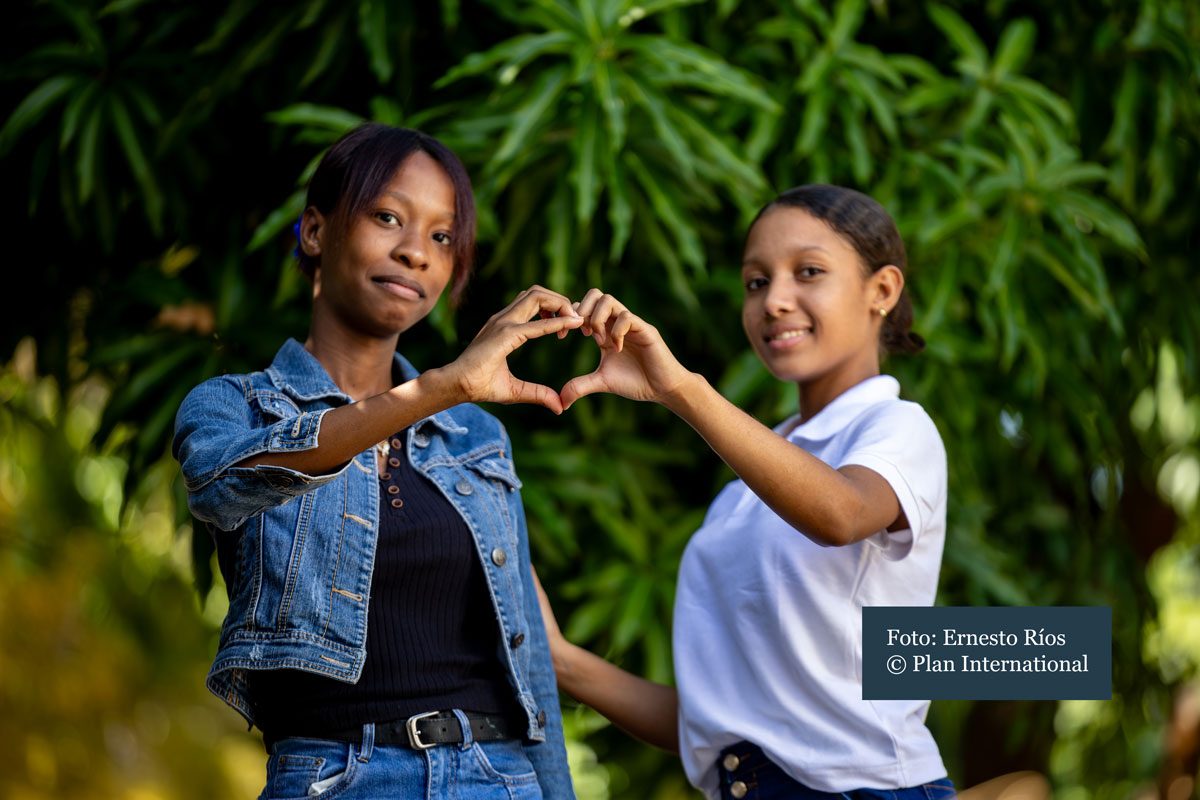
<point>400,286</point>
<point>800,334</point>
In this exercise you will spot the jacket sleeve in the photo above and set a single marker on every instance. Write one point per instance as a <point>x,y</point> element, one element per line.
<point>223,422</point>
<point>549,757</point>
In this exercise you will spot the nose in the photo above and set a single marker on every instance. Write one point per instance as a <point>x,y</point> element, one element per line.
<point>780,299</point>
<point>410,250</point>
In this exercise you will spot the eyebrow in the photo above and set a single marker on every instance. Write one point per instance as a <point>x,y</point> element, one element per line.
<point>403,198</point>
<point>803,249</point>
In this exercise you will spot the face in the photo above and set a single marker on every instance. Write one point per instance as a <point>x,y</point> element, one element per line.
<point>387,270</point>
<point>810,310</point>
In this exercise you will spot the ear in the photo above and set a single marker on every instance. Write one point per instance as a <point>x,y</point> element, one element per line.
<point>312,232</point>
<point>884,287</point>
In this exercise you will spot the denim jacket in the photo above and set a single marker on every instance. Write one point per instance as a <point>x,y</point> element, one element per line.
<point>297,551</point>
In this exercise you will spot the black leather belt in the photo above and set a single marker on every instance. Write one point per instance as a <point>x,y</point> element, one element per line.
<point>423,731</point>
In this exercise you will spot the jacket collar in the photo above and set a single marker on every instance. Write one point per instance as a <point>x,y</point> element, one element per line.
<point>296,372</point>
<point>845,407</point>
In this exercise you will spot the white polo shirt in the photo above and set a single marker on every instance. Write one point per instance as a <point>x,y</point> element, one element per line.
<point>768,623</point>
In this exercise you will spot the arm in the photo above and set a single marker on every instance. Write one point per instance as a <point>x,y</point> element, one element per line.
<point>480,374</point>
<point>830,506</point>
<point>235,466</point>
<point>646,710</point>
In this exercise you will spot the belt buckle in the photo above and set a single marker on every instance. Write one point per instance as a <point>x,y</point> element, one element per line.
<point>414,737</point>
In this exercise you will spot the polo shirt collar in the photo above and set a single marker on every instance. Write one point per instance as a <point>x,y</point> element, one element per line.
<point>845,407</point>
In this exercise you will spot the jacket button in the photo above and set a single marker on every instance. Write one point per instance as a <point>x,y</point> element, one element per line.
<point>738,789</point>
<point>393,462</point>
<point>393,489</point>
<point>421,440</point>
<point>499,557</point>
<point>464,487</point>
<point>731,762</point>
<point>541,719</point>
<point>517,640</point>
<point>396,443</point>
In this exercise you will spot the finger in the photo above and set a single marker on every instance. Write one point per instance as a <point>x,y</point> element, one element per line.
<point>536,394</point>
<point>540,302</point>
<point>541,327</point>
<point>581,386</point>
<point>588,302</point>
<point>621,326</point>
<point>605,309</point>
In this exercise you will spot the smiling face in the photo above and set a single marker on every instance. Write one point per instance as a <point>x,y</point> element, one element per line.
<point>387,269</point>
<point>810,309</point>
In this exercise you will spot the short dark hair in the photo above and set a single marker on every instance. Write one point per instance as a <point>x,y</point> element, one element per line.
<point>354,171</point>
<point>870,230</point>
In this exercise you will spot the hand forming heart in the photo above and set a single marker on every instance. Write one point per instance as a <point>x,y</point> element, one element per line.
<point>634,360</point>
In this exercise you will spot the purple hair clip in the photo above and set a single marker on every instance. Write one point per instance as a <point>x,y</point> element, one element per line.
<point>296,231</point>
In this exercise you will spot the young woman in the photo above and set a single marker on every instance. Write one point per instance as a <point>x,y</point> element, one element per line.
<point>383,629</point>
<point>839,507</point>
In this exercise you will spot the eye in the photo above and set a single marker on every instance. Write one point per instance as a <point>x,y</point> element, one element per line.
<point>441,237</point>
<point>387,218</point>
<point>755,283</point>
<point>810,271</point>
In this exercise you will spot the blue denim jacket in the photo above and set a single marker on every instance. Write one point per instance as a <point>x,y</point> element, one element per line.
<point>297,551</point>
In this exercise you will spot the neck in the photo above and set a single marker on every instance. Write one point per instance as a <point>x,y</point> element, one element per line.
<point>360,365</point>
<point>819,392</point>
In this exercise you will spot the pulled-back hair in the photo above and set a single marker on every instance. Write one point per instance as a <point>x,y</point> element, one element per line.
<point>871,231</point>
<point>355,170</point>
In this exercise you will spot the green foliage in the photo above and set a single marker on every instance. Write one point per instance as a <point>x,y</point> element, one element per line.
<point>1042,169</point>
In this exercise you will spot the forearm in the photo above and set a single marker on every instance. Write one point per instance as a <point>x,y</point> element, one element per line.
<point>646,710</point>
<point>827,505</point>
<point>349,430</point>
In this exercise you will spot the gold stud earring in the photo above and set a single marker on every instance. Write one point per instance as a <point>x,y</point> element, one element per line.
<point>882,311</point>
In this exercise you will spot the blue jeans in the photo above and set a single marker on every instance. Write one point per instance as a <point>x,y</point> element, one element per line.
<point>300,769</point>
<point>764,780</point>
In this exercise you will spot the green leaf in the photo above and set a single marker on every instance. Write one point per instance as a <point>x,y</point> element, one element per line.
<point>965,41</point>
<point>670,138</point>
<point>613,105</point>
<point>1016,44</point>
<point>134,154</point>
<point>335,120</point>
<point>530,115</point>
<point>33,107</point>
<point>85,166</point>
<point>587,155</point>
<point>333,38</point>
<point>620,210</point>
<point>720,77</point>
<point>513,54</point>
<point>277,221</point>
<point>870,91</point>
<point>633,615</point>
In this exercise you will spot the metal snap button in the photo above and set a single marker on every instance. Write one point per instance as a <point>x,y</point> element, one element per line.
<point>541,719</point>
<point>397,502</point>
<point>396,443</point>
<point>421,440</point>
<point>517,640</point>
<point>731,762</point>
<point>393,462</point>
<point>738,789</point>
<point>499,557</point>
<point>385,476</point>
<point>464,487</point>
<point>393,489</point>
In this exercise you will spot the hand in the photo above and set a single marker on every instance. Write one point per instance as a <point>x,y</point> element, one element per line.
<point>635,362</point>
<point>482,373</point>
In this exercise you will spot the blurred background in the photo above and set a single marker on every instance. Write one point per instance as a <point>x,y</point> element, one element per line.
<point>1042,162</point>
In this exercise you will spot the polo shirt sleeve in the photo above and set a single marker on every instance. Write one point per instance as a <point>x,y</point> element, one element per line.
<point>900,443</point>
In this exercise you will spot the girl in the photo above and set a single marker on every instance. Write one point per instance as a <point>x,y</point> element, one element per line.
<point>383,629</point>
<point>839,507</point>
